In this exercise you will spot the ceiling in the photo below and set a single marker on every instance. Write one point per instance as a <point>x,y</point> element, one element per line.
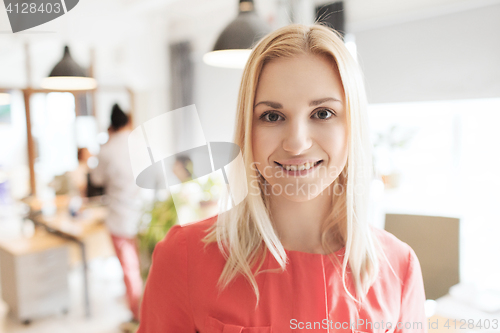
<point>367,14</point>
<point>358,12</point>
<point>112,20</point>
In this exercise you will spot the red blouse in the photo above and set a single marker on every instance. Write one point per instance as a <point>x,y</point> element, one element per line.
<point>181,293</point>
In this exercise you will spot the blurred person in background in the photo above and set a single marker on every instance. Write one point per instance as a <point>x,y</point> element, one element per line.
<point>78,177</point>
<point>114,172</point>
<point>82,171</point>
<point>183,168</point>
<point>76,183</point>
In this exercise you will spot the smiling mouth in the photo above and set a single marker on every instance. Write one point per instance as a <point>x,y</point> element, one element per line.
<point>300,168</point>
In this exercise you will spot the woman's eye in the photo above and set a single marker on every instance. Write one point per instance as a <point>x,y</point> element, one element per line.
<point>324,114</point>
<point>270,117</point>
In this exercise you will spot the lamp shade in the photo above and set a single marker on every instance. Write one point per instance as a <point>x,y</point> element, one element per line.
<point>68,75</point>
<point>234,44</point>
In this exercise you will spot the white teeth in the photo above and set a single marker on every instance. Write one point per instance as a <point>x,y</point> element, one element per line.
<point>305,166</point>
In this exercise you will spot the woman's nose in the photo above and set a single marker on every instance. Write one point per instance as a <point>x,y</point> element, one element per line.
<point>297,138</point>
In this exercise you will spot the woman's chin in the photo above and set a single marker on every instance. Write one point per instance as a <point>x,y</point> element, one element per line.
<point>300,198</point>
<point>296,193</point>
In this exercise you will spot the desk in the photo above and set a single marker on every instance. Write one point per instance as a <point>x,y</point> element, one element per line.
<point>87,232</point>
<point>455,316</point>
<point>34,275</point>
<point>88,228</point>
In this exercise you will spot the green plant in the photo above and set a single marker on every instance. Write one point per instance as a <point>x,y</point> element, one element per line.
<point>163,217</point>
<point>210,188</point>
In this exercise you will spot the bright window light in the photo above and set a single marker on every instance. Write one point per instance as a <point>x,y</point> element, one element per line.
<point>448,167</point>
<point>4,99</point>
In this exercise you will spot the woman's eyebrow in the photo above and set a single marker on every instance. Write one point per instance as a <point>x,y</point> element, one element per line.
<point>276,105</point>
<point>323,100</point>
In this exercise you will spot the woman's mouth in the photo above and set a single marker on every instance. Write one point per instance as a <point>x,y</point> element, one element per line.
<point>299,170</point>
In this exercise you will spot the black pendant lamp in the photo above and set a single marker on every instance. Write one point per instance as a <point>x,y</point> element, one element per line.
<point>234,44</point>
<point>68,75</point>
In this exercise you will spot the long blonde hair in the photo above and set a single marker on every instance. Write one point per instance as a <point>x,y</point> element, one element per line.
<point>244,232</point>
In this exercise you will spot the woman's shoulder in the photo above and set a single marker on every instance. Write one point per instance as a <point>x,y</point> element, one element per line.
<point>186,240</point>
<point>399,254</point>
<point>388,240</point>
<point>191,233</point>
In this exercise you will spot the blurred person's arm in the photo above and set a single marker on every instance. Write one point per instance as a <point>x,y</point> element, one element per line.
<point>98,175</point>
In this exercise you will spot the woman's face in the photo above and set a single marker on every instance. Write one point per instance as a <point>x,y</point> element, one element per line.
<point>299,127</point>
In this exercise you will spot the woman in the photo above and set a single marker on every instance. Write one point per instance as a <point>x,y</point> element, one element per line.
<point>114,173</point>
<point>298,253</point>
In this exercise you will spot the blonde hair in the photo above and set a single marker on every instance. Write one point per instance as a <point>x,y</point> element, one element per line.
<point>244,232</point>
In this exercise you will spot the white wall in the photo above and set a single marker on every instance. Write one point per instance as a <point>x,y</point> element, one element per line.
<point>455,56</point>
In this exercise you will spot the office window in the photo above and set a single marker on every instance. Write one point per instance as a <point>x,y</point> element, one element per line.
<point>441,158</point>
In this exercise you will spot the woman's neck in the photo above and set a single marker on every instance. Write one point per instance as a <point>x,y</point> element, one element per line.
<point>298,224</point>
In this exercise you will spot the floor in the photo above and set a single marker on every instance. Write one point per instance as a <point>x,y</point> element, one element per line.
<point>107,298</point>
